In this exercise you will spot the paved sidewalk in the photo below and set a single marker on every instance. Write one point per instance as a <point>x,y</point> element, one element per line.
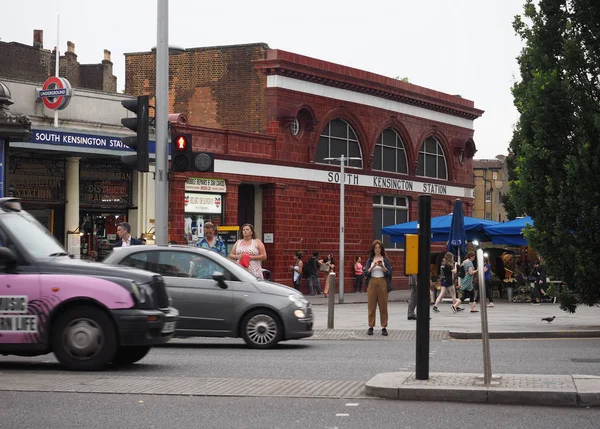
<point>505,320</point>
<point>516,389</point>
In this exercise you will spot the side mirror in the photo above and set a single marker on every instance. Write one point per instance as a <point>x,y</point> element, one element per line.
<point>220,279</point>
<point>7,258</point>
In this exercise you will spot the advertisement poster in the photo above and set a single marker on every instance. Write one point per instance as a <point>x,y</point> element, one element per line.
<point>203,203</point>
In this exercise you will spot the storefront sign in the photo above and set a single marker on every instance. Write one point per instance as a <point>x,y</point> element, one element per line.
<point>56,93</point>
<point>350,178</point>
<point>203,203</point>
<point>196,184</point>
<point>76,139</point>
<point>88,141</point>
<point>104,184</point>
<point>37,179</point>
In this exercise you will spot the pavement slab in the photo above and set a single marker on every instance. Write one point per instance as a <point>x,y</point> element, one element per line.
<point>516,389</point>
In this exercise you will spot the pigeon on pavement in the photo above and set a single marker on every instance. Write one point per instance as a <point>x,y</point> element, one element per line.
<point>549,319</point>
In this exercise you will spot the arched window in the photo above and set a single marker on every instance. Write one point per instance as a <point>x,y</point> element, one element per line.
<point>337,139</point>
<point>389,154</point>
<point>432,162</point>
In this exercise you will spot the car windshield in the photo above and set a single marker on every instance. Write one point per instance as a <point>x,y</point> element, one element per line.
<point>228,264</point>
<point>36,239</point>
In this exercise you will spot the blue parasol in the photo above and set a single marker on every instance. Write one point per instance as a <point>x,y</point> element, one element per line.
<point>440,229</point>
<point>510,232</point>
<point>457,237</point>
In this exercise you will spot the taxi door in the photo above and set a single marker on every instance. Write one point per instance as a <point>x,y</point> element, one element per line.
<point>20,308</point>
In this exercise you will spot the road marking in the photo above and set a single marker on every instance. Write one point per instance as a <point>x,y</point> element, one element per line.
<point>350,404</point>
<point>342,415</point>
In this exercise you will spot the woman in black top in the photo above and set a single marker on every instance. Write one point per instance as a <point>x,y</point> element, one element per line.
<point>447,269</point>
<point>539,272</point>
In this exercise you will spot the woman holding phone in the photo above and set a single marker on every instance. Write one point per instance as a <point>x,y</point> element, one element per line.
<point>379,280</point>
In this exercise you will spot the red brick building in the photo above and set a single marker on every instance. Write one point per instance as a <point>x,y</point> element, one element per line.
<point>271,117</point>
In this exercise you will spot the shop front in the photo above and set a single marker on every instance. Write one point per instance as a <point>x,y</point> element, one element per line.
<point>39,181</point>
<point>105,187</point>
<point>104,200</point>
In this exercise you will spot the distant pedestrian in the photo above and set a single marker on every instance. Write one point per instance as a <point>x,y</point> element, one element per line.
<point>125,238</point>
<point>447,269</point>
<point>358,275</point>
<point>211,241</point>
<point>539,274</point>
<point>313,274</point>
<point>467,282</point>
<point>297,268</point>
<point>487,275</point>
<point>330,263</point>
<point>379,284</point>
<point>249,252</point>
<point>412,301</point>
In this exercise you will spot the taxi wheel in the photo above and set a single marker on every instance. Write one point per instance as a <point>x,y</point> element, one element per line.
<point>84,339</point>
<point>126,355</point>
<point>261,329</point>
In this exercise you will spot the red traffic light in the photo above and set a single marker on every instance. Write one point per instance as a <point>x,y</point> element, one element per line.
<point>181,143</point>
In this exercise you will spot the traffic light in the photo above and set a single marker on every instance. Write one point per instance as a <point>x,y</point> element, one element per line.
<point>181,152</point>
<point>139,142</point>
<point>183,158</point>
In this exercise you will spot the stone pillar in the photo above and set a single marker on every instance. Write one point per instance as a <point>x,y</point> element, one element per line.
<point>72,197</point>
<point>258,212</point>
<point>230,215</point>
<point>177,207</point>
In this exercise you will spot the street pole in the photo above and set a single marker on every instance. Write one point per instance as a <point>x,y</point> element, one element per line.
<point>57,68</point>
<point>485,336</point>
<point>422,362</point>
<point>161,199</point>
<point>342,160</point>
<point>331,301</point>
<point>341,262</point>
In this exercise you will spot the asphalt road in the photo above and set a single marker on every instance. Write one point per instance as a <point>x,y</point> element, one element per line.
<point>25,410</point>
<point>344,360</point>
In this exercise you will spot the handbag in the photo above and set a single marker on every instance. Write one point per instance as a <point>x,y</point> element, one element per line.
<point>245,260</point>
<point>325,267</point>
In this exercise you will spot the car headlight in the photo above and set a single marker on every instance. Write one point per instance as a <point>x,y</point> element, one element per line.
<point>139,293</point>
<point>298,301</point>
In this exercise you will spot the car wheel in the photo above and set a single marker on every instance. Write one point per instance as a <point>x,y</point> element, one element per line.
<point>127,355</point>
<point>84,339</point>
<point>261,329</point>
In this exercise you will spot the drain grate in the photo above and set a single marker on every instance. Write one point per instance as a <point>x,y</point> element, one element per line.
<point>183,386</point>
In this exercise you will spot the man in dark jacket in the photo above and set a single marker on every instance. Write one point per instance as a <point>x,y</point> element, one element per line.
<point>125,238</point>
<point>539,273</point>
<point>313,273</point>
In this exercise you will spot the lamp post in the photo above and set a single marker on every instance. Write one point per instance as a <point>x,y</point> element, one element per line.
<point>342,159</point>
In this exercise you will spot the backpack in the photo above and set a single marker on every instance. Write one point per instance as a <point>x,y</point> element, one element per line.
<point>461,271</point>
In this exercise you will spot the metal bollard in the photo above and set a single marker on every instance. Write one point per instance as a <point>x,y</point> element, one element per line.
<point>330,301</point>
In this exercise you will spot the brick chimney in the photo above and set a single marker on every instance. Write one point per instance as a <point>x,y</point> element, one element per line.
<point>109,81</point>
<point>70,48</point>
<point>38,39</point>
<point>70,65</point>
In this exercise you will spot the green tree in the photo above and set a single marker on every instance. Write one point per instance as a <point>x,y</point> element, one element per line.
<point>556,142</point>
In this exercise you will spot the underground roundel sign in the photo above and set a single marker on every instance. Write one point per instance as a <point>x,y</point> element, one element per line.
<point>56,93</point>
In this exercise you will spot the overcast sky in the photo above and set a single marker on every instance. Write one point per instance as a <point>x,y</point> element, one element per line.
<point>465,47</point>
